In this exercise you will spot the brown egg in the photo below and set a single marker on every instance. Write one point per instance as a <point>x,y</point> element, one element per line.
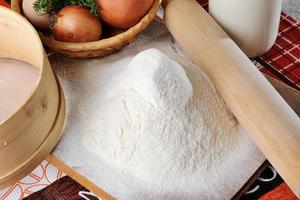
<point>39,21</point>
<point>123,13</point>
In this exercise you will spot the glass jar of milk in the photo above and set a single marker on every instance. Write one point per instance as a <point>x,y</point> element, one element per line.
<point>252,24</point>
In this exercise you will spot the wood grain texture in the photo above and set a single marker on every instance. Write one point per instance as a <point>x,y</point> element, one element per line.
<point>76,176</point>
<point>24,137</point>
<point>270,121</point>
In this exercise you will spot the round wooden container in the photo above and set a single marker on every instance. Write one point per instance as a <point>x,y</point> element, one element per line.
<point>98,48</point>
<point>34,129</point>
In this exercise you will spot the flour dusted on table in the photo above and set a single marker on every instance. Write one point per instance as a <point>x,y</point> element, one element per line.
<point>160,125</point>
<point>90,84</point>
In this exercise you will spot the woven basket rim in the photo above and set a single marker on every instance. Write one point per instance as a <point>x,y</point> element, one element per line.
<point>106,43</point>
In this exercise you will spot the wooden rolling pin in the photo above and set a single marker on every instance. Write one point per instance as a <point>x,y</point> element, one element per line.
<point>270,121</point>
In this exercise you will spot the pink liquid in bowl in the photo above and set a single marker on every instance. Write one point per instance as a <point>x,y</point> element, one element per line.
<point>17,82</point>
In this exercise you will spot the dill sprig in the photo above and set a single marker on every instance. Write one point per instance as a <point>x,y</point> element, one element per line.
<point>51,6</point>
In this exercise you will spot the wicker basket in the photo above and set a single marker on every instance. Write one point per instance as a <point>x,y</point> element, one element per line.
<point>29,134</point>
<point>98,48</point>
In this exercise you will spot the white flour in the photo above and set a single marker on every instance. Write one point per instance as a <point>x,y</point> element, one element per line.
<point>159,126</point>
<point>95,86</point>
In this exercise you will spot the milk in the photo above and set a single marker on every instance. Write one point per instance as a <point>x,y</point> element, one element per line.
<point>17,82</point>
<point>252,24</point>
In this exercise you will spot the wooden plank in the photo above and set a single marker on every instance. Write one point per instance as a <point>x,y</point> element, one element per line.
<point>79,178</point>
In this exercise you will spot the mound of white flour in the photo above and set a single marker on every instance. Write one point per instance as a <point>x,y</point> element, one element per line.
<point>165,128</point>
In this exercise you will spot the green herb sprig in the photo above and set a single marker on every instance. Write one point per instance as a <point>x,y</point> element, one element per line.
<point>51,6</point>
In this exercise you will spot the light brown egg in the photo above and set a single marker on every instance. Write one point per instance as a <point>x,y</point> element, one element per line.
<point>38,20</point>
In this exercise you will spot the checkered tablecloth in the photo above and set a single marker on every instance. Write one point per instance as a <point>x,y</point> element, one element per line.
<point>284,57</point>
<point>4,3</point>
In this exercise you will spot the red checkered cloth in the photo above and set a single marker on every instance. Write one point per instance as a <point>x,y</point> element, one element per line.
<point>4,3</point>
<point>284,57</point>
